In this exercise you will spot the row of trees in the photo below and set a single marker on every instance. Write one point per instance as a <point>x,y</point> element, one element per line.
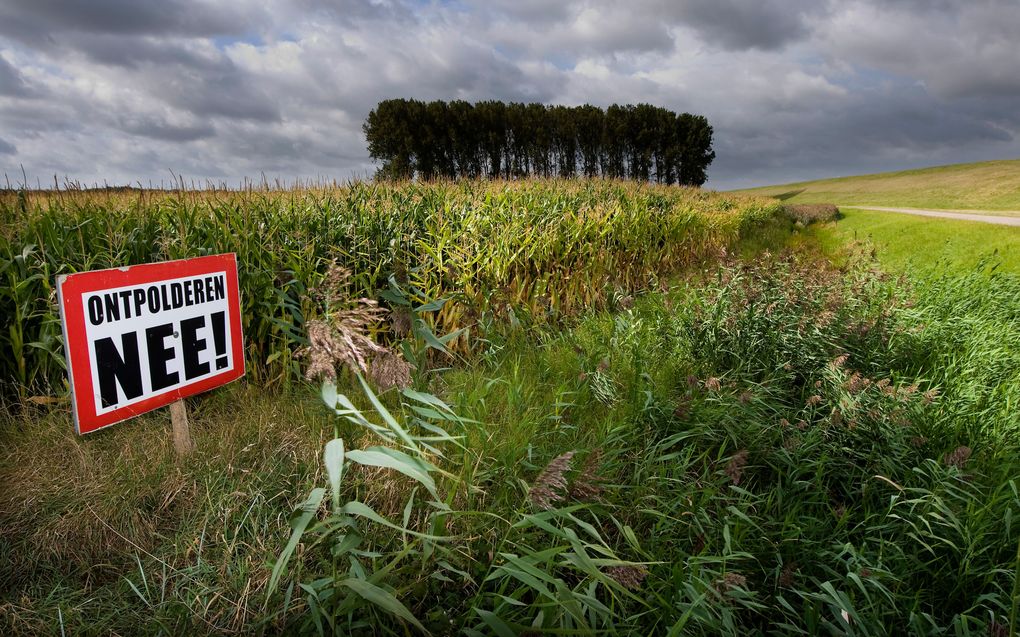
<point>498,140</point>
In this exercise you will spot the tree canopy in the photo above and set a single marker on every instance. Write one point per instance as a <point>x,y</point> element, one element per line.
<point>438,139</point>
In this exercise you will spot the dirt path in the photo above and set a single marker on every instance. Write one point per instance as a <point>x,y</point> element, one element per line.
<point>968,215</point>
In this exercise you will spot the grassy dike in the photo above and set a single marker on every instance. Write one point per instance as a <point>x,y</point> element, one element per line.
<point>988,186</point>
<point>769,444</point>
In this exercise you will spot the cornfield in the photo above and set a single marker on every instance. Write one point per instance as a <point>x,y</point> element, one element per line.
<point>535,249</point>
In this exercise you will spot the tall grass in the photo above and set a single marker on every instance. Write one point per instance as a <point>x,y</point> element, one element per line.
<point>782,448</point>
<point>540,249</point>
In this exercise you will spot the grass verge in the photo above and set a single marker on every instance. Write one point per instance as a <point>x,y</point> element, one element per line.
<point>908,243</point>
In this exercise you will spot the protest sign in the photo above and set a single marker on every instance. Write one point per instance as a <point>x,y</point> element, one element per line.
<point>141,337</point>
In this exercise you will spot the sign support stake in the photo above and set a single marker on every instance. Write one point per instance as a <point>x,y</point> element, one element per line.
<point>182,431</point>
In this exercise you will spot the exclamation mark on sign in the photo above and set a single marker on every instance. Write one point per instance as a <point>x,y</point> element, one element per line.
<point>219,331</point>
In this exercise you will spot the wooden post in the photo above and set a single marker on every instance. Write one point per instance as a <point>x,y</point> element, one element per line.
<point>182,432</point>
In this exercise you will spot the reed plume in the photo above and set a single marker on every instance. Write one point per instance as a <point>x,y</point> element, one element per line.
<point>548,485</point>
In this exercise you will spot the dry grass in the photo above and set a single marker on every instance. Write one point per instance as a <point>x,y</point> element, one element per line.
<point>60,494</point>
<point>87,507</point>
<point>807,213</point>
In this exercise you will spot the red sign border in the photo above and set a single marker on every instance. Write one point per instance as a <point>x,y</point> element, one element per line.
<point>71,287</point>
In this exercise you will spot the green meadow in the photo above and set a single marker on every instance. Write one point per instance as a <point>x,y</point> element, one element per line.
<point>908,243</point>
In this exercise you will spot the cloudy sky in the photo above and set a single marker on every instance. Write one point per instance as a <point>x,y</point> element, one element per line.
<point>129,90</point>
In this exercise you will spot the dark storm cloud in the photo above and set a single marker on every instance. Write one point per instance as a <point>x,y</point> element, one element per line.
<point>476,74</point>
<point>127,89</point>
<point>646,25</point>
<point>136,51</point>
<point>29,118</point>
<point>11,82</point>
<point>956,49</point>
<point>870,131</point>
<point>737,24</point>
<point>348,11</point>
<point>912,120</point>
<point>202,81</point>
<point>534,12</point>
<point>33,19</point>
<point>156,128</point>
<point>223,93</point>
<point>563,32</point>
<point>283,151</point>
